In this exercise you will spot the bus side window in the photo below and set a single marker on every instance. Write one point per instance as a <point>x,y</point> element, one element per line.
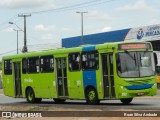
<point>90,60</point>
<point>118,63</point>
<point>84,61</point>
<point>33,65</point>
<point>74,61</point>
<point>8,67</point>
<point>47,63</point>
<point>24,65</point>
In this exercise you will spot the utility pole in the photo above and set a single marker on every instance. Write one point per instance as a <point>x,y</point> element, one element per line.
<point>17,38</point>
<point>25,38</point>
<point>81,26</point>
<point>16,31</point>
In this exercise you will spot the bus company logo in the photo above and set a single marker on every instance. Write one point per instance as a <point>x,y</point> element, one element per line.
<point>140,34</point>
<point>6,115</point>
<point>9,115</point>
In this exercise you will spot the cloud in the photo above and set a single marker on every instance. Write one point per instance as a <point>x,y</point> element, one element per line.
<point>47,36</point>
<point>94,15</point>
<point>106,29</point>
<point>15,4</point>
<point>9,30</point>
<point>41,27</point>
<point>138,6</point>
<point>154,21</point>
<point>66,29</point>
<point>97,15</point>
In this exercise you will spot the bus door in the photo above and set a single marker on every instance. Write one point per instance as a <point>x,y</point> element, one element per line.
<point>108,76</point>
<point>17,79</point>
<point>62,77</point>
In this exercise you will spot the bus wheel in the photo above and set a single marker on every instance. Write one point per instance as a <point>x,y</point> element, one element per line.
<point>92,96</point>
<point>30,95</point>
<point>59,101</point>
<point>126,101</point>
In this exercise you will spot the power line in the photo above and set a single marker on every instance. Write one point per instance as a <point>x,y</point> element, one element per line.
<point>48,44</point>
<point>33,38</point>
<point>75,6</point>
<point>8,52</point>
<point>71,7</point>
<point>62,8</point>
<point>37,47</point>
<point>7,26</point>
<point>3,23</point>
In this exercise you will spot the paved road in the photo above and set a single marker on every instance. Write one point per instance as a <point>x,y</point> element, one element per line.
<point>137,104</point>
<point>144,103</point>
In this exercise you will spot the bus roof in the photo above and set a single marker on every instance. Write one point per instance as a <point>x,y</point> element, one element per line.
<point>68,50</point>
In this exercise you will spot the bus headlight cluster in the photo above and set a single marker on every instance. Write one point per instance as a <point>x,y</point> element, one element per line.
<point>154,85</point>
<point>123,87</point>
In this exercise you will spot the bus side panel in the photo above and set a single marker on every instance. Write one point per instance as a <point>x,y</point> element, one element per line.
<point>75,85</point>
<point>8,83</point>
<point>43,84</point>
<point>27,81</point>
<point>99,83</point>
<point>99,77</point>
<point>46,85</point>
<point>8,86</point>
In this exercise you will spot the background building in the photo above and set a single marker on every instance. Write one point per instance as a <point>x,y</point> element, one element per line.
<point>145,33</point>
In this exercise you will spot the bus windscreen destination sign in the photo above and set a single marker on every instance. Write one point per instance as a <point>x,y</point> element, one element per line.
<point>134,46</point>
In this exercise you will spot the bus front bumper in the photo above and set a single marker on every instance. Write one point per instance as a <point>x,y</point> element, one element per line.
<point>131,92</point>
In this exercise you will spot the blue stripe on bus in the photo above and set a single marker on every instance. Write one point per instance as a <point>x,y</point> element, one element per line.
<point>139,87</point>
<point>88,48</point>
<point>89,78</point>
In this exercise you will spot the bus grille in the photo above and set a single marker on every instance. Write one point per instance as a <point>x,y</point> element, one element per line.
<point>138,82</point>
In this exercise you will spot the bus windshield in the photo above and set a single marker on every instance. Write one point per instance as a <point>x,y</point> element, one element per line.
<point>135,64</point>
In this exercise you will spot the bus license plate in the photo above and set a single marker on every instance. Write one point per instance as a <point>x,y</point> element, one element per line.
<point>140,94</point>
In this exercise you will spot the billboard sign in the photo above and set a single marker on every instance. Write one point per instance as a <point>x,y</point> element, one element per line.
<point>146,33</point>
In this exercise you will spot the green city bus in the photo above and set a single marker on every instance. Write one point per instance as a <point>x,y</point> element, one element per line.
<point>120,70</point>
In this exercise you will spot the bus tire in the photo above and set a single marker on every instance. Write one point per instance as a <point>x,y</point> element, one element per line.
<point>92,96</point>
<point>59,101</point>
<point>30,95</point>
<point>126,101</point>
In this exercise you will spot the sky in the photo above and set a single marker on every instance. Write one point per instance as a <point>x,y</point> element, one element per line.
<point>53,20</point>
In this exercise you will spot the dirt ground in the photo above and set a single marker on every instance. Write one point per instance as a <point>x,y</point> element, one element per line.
<point>37,108</point>
<point>33,108</point>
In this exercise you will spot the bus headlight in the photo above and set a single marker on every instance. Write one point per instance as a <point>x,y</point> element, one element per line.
<point>122,87</point>
<point>154,85</point>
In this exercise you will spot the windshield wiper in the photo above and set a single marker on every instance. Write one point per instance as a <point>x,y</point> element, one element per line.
<point>133,58</point>
<point>129,54</point>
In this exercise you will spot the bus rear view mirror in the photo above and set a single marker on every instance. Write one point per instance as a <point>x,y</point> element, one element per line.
<point>155,58</point>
